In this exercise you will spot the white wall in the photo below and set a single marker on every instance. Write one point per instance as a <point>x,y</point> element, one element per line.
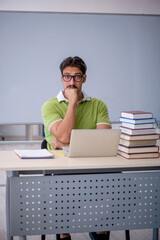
<point>121,52</point>
<point>142,7</point>
<point>151,7</point>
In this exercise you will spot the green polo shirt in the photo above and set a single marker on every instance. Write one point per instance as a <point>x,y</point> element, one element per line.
<point>89,113</point>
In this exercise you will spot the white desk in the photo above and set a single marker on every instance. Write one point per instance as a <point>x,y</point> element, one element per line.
<point>87,194</point>
<point>9,161</point>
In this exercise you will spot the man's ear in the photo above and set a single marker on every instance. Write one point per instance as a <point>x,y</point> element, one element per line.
<point>84,79</point>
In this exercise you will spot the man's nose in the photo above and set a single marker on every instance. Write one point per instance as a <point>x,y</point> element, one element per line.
<point>72,81</point>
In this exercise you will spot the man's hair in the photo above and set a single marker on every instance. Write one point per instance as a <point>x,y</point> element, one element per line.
<point>73,62</point>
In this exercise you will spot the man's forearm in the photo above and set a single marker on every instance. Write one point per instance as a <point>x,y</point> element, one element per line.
<point>62,129</point>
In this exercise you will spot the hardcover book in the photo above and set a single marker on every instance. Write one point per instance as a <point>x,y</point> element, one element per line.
<point>137,126</point>
<point>137,121</point>
<point>138,149</point>
<point>138,131</point>
<point>138,155</point>
<point>136,114</point>
<point>140,137</point>
<point>136,143</point>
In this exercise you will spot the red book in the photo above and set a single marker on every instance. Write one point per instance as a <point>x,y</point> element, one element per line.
<point>136,114</point>
<point>138,155</point>
<point>138,149</point>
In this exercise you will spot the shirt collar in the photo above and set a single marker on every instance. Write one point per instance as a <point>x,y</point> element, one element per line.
<point>61,97</point>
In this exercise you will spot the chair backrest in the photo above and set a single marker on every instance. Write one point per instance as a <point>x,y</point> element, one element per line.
<point>44,144</point>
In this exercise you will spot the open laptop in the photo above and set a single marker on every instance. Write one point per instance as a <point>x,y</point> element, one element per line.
<point>93,143</point>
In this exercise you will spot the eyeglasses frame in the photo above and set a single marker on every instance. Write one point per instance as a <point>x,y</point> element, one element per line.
<point>72,76</point>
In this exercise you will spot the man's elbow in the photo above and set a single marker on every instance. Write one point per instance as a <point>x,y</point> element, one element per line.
<point>63,138</point>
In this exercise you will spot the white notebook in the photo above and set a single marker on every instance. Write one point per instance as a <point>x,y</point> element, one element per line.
<point>32,154</point>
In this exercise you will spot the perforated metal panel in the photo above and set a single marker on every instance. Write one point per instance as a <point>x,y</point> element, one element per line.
<point>84,203</point>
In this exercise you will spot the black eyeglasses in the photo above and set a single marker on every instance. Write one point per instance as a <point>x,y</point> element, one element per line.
<point>76,78</point>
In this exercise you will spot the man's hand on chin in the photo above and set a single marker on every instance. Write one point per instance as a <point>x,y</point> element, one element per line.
<point>71,94</point>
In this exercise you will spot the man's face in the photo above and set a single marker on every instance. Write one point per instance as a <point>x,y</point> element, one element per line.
<point>75,82</point>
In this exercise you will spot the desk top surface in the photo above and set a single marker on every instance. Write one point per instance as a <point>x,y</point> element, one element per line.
<point>9,161</point>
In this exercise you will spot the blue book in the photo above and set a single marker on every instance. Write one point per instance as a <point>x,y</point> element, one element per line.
<point>137,121</point>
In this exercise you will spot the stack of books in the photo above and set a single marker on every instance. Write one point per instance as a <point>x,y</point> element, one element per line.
<point>138,135</point>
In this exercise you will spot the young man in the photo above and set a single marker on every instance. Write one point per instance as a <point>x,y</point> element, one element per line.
<point>73,109</point>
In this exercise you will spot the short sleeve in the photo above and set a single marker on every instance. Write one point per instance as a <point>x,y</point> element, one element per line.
<point>50,114</point>
<point>102,114</point>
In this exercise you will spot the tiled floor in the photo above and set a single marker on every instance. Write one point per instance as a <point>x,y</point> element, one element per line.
<point>116,235</point>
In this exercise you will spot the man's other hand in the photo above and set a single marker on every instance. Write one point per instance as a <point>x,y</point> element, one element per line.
<point>56,144</point>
